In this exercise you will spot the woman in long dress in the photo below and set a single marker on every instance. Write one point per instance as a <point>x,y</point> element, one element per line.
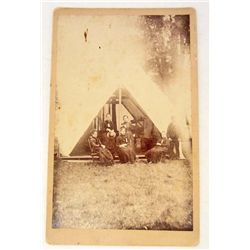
<point>125,149</point>
<point>96,146</point>
<point>109,140</point>
<point>159,151</point>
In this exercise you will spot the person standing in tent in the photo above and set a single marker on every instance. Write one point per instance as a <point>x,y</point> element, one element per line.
<point>109,140</point>
<point>159,151</point>
<point>173,135</point>
<point>96,146</point>
<point>129,127</point>
<point>125,149</point>
<point>108,124</point>
<point>126,123</point>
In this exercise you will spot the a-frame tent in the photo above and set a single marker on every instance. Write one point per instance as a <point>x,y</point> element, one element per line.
<point>120,103</point>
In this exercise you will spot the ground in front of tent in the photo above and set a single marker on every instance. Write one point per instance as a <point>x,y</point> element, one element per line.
<point>136,196</point>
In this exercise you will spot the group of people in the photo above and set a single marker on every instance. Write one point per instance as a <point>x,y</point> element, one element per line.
<point>109,143</point>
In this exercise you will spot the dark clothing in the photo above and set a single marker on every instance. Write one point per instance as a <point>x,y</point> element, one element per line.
<point>110,143</point>
<point>173,134</point>
<point>123,139</point>
<point>125,149</point>
<point>163,141</point>
<point>148,128</point>
<point>104,154</point>
<point>94,144</point>
<point>158,152</point>
<point>127,125</point>
<point>147,144</point>
<point>108,125</point>
<point>147,139</point>
<point>129,129</point>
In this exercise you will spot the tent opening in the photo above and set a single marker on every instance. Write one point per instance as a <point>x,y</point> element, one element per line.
<point>120,104</point>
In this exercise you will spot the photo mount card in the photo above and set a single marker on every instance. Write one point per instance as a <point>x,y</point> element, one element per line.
<point>123,165</point>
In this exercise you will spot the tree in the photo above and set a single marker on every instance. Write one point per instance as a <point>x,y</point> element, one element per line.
<point>164,37</point>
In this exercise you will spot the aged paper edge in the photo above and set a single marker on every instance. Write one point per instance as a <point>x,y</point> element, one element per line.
<point>126,237</point>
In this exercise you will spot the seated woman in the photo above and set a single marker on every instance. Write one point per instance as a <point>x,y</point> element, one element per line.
<point>125,149</point>
<point>159,151</point>
<point>109,140</point>
<point>97,147</point>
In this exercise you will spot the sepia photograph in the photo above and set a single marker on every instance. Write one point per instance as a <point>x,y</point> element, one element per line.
<point>125,112</point>
<point>123,143</point>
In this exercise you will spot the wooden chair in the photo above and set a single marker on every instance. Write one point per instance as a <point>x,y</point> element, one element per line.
<point>94,155</point>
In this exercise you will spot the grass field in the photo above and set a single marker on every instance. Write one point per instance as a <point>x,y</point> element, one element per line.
<point>139,196</point>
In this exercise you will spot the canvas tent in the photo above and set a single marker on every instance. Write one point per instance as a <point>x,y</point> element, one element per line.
<point>87,76</point>
<point>75,119</point>
<point>119,104</point>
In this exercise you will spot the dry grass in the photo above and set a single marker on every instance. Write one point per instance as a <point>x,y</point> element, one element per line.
<point>138,196</point>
